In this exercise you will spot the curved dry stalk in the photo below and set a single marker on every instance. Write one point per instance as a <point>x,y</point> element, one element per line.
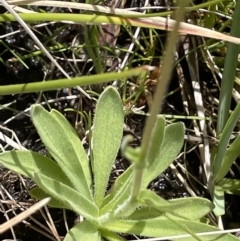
<point>153,22</point>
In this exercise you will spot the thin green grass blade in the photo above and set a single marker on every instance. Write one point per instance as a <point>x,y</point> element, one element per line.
<point>66,83</point>
<point>210,18</point>
<point>223,142</point>
<point>229,73</point>
<point>156,23</point>
<point>106,139</point>
<point>91,39</point>
<point>230,156</point>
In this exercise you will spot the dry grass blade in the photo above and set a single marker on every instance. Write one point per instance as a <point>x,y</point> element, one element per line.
<point>37,41</point>
<point>151,22</point>
<point>23,215</point>
<point>192,61</point>
<point>10,142</point>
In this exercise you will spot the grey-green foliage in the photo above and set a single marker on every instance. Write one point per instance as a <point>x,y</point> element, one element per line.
<point>74,184</point>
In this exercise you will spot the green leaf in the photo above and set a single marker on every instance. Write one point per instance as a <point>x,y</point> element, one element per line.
<point>40,194</point>
<point>68,196</point>
<point>219,201</point>
<point>28,162</point>
<point>230,156</point>
<point>210,18</point>
<point>164,227</point>
<point>64,145</point>
<point>77,147</point>
<point>83,231</point>
<point>229,184</point>
<point>106,139</point>
<point>171,145</point>
<point>224,140</point>
<point>191,208</point>
<point>111,236</point>
<point>156,140</point>
<point>119,192</point>
<point>150,198</point>
<point>145,212</point>
<point>131,154</point>
<point>235,192</point>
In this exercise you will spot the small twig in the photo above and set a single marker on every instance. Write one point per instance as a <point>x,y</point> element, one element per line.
<point>23,215</point>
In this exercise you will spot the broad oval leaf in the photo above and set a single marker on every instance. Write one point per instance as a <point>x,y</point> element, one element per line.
<point>64,145</point>
<point>68,196</point>
<point>84,231</point>
<point>191,208</point>
<point>28,162</point>
<point>171,146</point>
<point>106,139</point>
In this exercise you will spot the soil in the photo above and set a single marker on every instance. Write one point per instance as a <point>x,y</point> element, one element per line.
<point>14,195</point>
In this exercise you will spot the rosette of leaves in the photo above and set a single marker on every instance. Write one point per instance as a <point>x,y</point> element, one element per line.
<point>77,182</point>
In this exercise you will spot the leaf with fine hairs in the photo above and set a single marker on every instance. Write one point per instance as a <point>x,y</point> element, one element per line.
<point>106,139</point>
<point>166,152</point>
<point>156,141</point>
<point>119,192</point>
<point>84,231</point>
<point>192,208</point>
<point>28,162</point>
<point>39,194</point>
<point>72,199</point>
<point>164,227</point>
<point>65,147</point>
